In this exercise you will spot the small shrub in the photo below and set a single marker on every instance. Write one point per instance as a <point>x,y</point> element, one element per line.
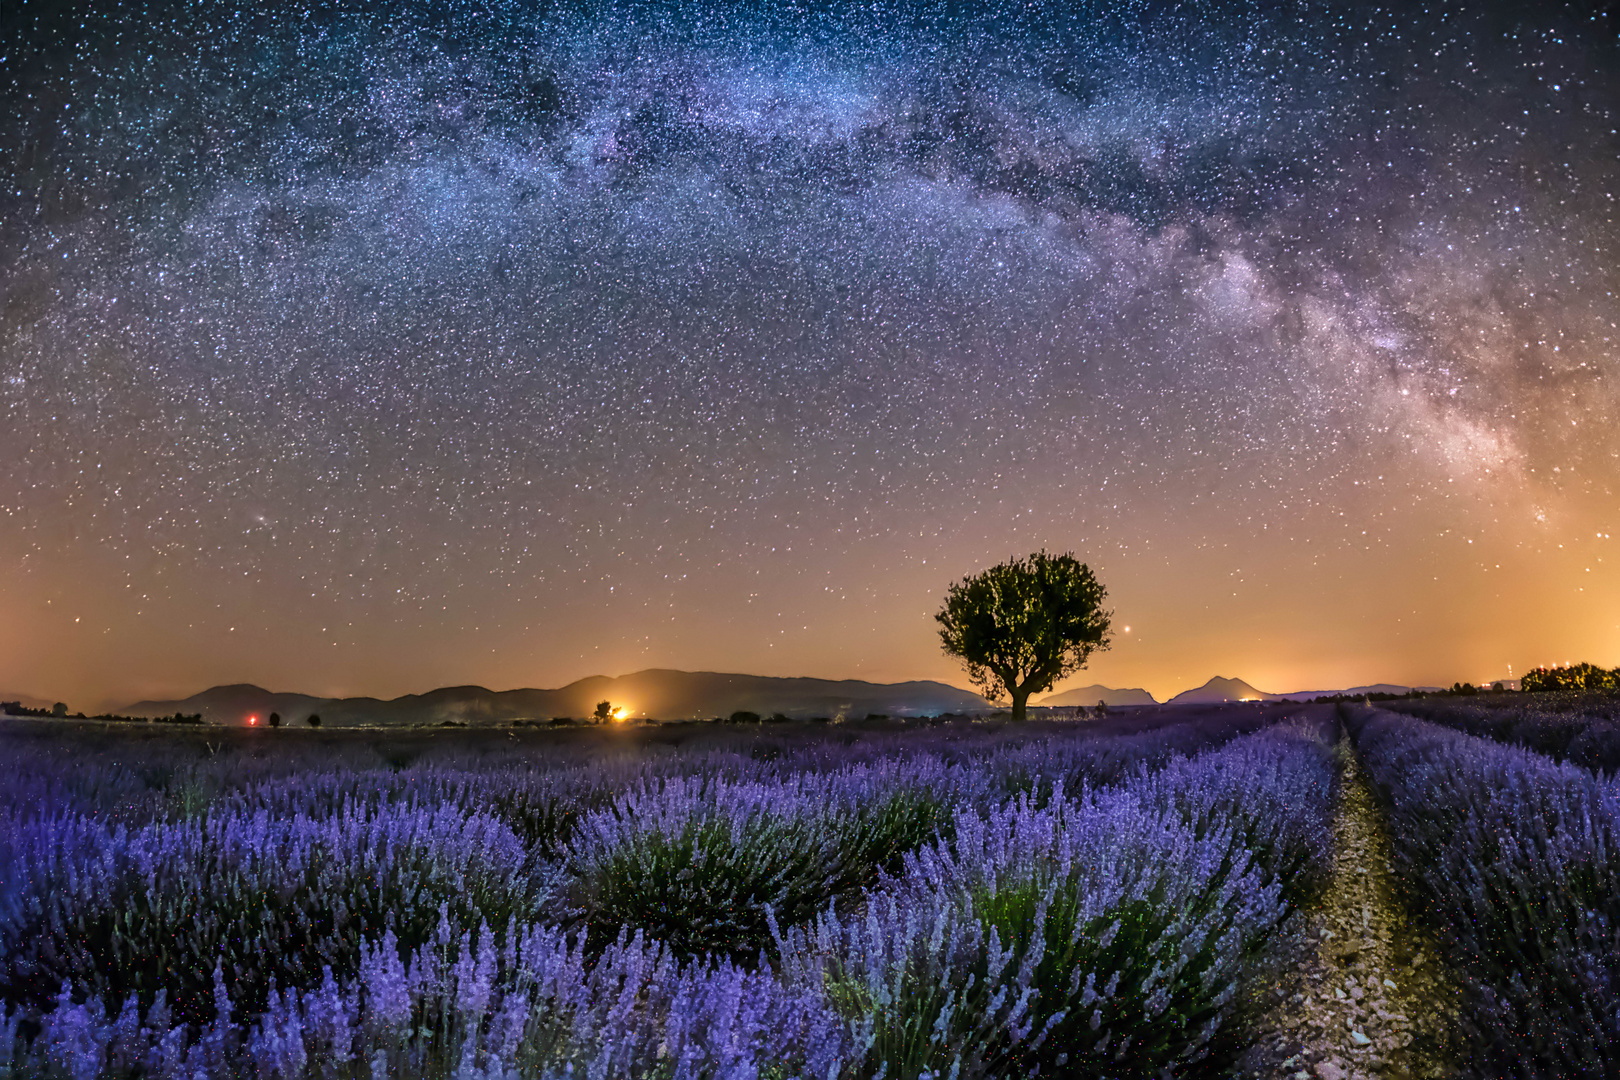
<point>705,867</point>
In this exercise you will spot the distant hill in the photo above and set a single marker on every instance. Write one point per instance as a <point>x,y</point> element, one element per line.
<point>233,704</point>
<point>1090,695</point>
<point>1221,689</point>
<point>658,693</point>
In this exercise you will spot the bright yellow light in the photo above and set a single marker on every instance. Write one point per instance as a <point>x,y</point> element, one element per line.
<point>620,714</point>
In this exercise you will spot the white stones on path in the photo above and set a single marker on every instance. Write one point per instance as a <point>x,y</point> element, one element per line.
<point>1364,997</point>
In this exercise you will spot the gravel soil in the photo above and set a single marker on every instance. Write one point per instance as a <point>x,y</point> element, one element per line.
<point>1361,993</point>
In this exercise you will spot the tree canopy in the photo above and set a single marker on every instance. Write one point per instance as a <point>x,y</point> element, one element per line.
<point>1581,676</point>
<point>1023,625</point>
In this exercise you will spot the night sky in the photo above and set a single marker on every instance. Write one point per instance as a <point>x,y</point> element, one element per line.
<point>372,347</point>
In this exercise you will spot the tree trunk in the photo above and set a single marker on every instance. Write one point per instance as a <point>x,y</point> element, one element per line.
<point>1020,698</point>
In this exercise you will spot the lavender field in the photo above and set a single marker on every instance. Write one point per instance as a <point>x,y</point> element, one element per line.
<point>1108,899</point>
<point>955,900</point>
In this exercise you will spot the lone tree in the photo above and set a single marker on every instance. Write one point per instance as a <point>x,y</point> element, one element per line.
<point>275,719</point>
<point>313,721</point>
<point>1023,625</point>
<point>604,712</point>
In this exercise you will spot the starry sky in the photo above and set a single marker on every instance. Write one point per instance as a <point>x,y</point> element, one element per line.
<point>372,347</point>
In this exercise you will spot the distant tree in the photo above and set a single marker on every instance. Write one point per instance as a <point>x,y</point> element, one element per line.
<point>603,713</point>
<point>59,709</point>
<point>1577,677</point>
<point>1102,707</point>
<point>275,719</point>
<point>1536,680</point>
<point>1023,625</point>
<point>743,716</point>
<point>314,720</point>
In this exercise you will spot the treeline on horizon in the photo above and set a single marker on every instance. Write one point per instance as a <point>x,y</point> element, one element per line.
<point>1582,676</point>
<point>59,711</point>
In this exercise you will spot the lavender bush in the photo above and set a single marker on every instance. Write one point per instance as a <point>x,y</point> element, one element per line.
<point>156,908</point>
<point>1515,859</point>
<point>530,1003</point>
<point>699,864</point>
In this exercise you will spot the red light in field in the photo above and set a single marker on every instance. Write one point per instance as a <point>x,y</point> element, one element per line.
<point>252,720</point>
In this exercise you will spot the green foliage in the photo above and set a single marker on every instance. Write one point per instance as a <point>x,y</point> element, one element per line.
<point>1130,942</point>
<point>704,889</point>
<point>1023,625</point>
<point>1582,677</point>
<point>712,886</point>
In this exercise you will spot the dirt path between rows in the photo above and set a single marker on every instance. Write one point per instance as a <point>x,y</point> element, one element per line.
<point>1364,995</point>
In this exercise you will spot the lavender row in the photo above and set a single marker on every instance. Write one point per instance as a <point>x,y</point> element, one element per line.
<point>1582,729</point>
<point>537,782</point>
<point>1103,933</point>
<point>1515,859</point>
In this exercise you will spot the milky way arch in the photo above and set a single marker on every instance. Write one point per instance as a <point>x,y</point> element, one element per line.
<point>385,324</point>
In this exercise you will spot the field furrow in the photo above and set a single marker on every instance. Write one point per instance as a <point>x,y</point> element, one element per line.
<point>1366,995</point>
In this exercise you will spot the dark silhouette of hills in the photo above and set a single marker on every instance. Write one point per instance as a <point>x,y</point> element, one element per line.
<point>1222,689</point>
<point>659,693</point>
<point>1090,695</point>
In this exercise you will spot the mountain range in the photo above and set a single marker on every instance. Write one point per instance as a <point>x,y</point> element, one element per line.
<point>1216,690</point>
<point>672,695</point>
<point>660,693</point>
